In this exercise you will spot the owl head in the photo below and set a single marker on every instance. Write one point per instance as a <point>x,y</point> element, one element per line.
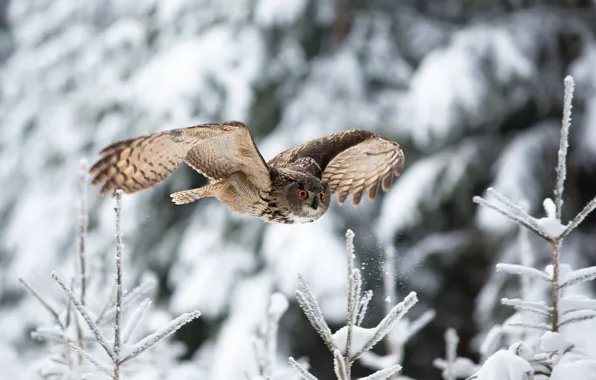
<point>304,196</point>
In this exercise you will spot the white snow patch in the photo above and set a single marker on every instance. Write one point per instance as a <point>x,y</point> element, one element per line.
<point>504,365</point>
<point>279,12</point>
<point>360,337</point>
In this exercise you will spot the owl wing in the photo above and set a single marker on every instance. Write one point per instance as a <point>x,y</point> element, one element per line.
<point>352,162</point>
<point>216,150</point>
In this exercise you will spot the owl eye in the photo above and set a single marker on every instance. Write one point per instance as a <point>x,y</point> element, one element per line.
<point>323,195</point>
<point>303,194</point>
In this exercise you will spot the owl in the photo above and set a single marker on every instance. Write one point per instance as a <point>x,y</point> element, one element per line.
<point>296,186</point>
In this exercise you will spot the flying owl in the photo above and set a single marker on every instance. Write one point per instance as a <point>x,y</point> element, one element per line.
<point>294,187</point>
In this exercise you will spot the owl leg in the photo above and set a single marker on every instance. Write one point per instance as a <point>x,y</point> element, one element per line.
<point>189,196</point>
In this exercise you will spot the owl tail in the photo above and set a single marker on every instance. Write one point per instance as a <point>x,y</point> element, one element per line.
<point>189,196</point>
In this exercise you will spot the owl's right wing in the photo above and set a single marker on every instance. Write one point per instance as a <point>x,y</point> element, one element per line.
<point>216,150</point>
<point>352,162</point>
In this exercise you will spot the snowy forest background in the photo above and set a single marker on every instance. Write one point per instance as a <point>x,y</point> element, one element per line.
<point>471,89</point>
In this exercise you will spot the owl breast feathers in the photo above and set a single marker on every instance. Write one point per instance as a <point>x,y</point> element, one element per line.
<point>293,187</point>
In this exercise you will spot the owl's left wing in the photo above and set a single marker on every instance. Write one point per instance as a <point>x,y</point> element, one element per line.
<point>352,162</point>
<point>217,150</point>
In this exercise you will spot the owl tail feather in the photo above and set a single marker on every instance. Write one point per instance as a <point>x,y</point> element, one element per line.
<point>189,196</point>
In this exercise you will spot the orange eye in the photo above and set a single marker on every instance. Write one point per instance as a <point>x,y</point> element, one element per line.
<point>303,194</point>
<point>323,195</point>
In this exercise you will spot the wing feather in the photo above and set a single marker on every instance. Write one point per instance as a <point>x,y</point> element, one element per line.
<point>362,168</point>
<point>214,150</point>
<point>352,162</point>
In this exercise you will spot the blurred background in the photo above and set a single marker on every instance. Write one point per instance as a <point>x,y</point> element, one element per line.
<point>471,89</point>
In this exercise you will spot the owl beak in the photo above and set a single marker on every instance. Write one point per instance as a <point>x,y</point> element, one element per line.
<point>315,203</point>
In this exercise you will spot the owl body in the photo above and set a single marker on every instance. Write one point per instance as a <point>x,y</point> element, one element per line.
<point>280,203</point>
<point>295,186</point>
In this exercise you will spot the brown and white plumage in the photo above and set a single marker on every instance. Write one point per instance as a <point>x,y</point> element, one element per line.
<point>349,162</point>
<point>352,162</point>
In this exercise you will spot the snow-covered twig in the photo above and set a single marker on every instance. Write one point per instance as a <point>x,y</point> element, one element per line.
<point>82,230</point>
<point>580,275</point>
<point>451,343</point>
<point>580,217</point>
<point>523,271</point>
<point>396,313</point>
<point>535,326</point>
<point>354,285</point>
<point>534,307</point>
<point>383,374</point>
<point>134,319</point>
<point>363,306</point>
<point>454,367</point>
<point>505,206</point>
<point>266,343</point>
<point>134,296</point>
<point>91,359</point>
<point>150,340</point>
<point>41,300</point>
<point>577,316</point>
<point>340,367</point>
<point>118,317</point>
<point>564,144</point>
<point>301,370</point>
<point>312,310</point>
<point>85,314</point>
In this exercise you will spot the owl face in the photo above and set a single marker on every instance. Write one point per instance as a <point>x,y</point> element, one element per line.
<point>307,198</point>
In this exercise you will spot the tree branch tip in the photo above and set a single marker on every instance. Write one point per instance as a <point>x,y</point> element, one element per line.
<point>569,81</point>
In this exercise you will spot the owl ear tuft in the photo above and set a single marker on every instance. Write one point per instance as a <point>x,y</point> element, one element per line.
<point>273,173</point>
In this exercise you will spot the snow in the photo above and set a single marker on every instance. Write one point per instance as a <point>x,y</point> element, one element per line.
<point>553,342</point>
<point>574,366</point>
<point>360,338</point>
<point>504,365</point>
<point>550,224</point>
<point>465,99</point>
<point>461,367</point>
<point>576,302</point>
<point>279,304</point>
<point>577,276</point>
<point>279,12</point>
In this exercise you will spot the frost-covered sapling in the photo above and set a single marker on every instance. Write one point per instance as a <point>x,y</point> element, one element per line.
<point>543,357</point>
<point>105,333</point>
<point>351,341</point>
